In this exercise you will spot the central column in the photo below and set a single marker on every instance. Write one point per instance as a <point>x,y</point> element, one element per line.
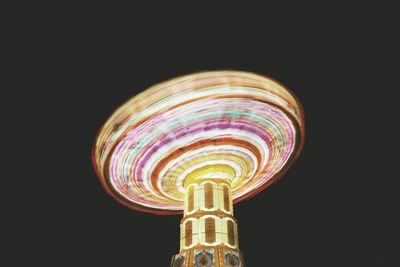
<point>209,235</point>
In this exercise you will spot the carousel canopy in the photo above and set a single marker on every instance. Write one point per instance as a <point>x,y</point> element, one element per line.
<point>233,125</point>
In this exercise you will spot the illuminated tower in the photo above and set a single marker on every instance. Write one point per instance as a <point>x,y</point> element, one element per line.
<point>196,145</point>
<point>209,231</point>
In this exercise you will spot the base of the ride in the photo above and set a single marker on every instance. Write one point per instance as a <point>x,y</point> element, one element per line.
<point>209,235</point>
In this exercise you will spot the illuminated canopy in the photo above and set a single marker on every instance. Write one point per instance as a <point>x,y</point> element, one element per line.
<point>220,124</point>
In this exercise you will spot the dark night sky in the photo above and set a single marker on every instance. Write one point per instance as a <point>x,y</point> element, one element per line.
<point>334,207</point>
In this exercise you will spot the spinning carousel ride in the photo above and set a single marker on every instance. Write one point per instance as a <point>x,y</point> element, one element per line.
<point>196,145</point>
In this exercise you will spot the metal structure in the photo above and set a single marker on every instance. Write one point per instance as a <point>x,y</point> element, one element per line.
<point>197,144</point>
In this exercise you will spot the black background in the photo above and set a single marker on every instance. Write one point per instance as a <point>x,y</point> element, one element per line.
<point>335,207</point>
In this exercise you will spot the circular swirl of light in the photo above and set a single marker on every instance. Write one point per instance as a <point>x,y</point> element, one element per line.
<point>234,125</point>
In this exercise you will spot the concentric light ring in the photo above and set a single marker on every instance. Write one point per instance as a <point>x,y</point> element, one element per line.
<point>236,125</point>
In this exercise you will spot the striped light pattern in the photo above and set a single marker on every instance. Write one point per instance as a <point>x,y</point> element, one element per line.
<point>233,125</point>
